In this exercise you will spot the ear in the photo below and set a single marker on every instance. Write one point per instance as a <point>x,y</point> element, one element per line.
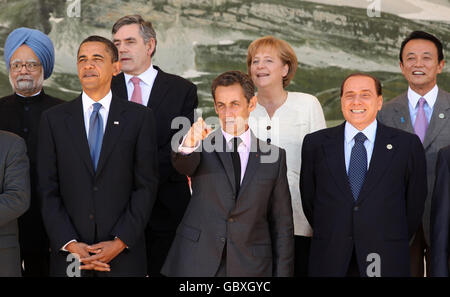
<point>285,70</point>
<point>116,68</point>
<point>151,44</point>
<point>441,66</point>
<point>252,103</point>
<point>379,102</point>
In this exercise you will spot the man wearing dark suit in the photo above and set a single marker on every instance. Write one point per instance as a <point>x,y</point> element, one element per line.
<point>363,188</point>
<point>440,216</point>
<point>239,220</point>
<point>14,199</point>
<point>29,56</point>
<point>97,169</point>
<point>425,110</point>
<point>169,96</point>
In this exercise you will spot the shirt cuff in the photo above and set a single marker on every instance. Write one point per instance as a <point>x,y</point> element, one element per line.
<point>64,247</point>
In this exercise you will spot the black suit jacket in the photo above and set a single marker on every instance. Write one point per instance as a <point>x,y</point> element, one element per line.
<point>171,97</point>
<point>440,216</point>
<point>92,206</point>
<point>385,216</point>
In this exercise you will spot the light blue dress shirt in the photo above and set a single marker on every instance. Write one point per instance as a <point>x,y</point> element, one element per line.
<point>349,141</point>
<point>413,99</point>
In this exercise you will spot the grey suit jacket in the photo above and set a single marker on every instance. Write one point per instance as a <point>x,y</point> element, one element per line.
<point>14,199</point>
<point>255,228</point>
<point>395,113</point>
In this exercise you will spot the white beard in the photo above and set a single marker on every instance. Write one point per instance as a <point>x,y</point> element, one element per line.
<point>28,85</point>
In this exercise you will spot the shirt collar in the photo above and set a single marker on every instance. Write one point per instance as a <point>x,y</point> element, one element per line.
<point>147,77</point>
<point>88,102</point>
<point>430,97</point>
<point>245,137</point>
<point>370,132</point>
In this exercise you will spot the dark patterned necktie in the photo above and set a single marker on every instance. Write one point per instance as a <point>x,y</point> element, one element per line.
<point>358,165</point>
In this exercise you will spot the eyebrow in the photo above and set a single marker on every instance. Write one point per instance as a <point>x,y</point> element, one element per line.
<point>27,61</point>
<point>364,90</point>
<point>95,55</point>
<point>126,39</point>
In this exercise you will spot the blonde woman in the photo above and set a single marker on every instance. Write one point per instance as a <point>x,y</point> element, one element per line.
<point>284,118</point>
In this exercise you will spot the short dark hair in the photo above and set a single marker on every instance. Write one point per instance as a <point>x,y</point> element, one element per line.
<point>234,77</point>
<point>376,81</point>
<point>110,47</point>
<point>146,29</point>
<point>425,36</point>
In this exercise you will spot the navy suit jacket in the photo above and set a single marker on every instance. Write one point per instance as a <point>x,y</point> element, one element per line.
<point>386,214</point>
<point>92,206</point>
<point>440,216</point>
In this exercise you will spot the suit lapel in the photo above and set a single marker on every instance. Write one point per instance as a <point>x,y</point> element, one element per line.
<point>119,87</point>
<point>225,157</point>
<point>252,164</point>
<point>335,158</point>
<point>76,128</point>
<point>439,118</point>
<point>382,154</point>
<point>114,127</point>
<point>402,118</point>
<point>159,89</point>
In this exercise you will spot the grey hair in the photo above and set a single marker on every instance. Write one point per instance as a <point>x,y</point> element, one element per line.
<point>145,27</point>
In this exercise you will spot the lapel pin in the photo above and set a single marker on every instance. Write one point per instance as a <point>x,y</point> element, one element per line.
<point>116,122</point>
<point>441,115</point>
<point>389,146</point>
<point>402,119</point>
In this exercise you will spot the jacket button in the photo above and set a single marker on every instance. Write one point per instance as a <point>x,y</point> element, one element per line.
<point>231,220</point>
<point>356,208</point>
<point>269,140</point>
<point>268,127</point>
<point>91,216</point>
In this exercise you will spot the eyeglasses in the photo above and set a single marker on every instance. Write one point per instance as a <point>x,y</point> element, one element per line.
<point>30,66</point>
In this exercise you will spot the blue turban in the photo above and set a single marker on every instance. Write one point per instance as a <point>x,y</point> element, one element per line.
<point>40,43</point>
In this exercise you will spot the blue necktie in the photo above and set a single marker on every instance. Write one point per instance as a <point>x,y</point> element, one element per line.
<point>358,165</point>
<point>95,135</point>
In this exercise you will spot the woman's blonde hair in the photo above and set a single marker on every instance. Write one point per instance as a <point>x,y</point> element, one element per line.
<point>286,54</point>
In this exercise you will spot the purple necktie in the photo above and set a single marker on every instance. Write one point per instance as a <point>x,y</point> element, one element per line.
<point>137,95</point>
<point>421,123</point>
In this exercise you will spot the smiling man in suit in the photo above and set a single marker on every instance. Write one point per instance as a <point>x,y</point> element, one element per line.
<point>425,110</point>
<point>169,96</point>
<point>239,220</point>
<point>97,170</point>
<point>363,188</point>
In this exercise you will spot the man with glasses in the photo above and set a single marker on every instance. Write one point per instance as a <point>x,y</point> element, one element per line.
<point>29,58</point>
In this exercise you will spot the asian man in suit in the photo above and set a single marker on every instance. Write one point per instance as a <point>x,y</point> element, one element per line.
<point>239,220</point>
<point>425,110</point>
<point>363,188</point>
<point>98,173</point>
<point>169,96</point>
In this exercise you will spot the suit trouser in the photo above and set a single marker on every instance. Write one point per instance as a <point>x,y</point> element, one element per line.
<point>419,250</point>
<point>158,246</point>
<point>302,248</point>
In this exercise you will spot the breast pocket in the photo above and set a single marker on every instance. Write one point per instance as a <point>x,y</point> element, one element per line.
<point>188,232</point>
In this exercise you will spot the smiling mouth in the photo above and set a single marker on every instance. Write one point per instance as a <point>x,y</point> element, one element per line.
<point>90,75</point>
<point>418,73</point>
<point>262,75</point>
<point>357,111</point>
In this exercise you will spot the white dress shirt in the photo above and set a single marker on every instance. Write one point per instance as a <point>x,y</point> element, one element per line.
<point>88,108</point>
<point>413,99</point>
<point>349,141</point>
<point>147,80</point>
<point>299,115</point>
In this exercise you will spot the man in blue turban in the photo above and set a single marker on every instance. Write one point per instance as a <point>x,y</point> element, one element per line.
<point>29,58</point>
